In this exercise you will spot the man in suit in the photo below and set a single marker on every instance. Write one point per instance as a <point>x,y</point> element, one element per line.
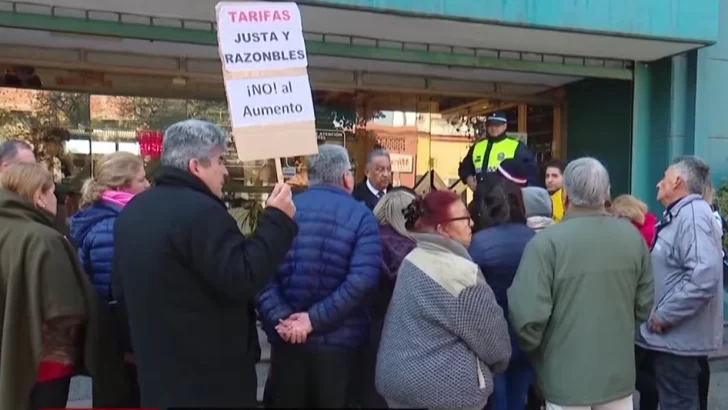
<point>378,181</point>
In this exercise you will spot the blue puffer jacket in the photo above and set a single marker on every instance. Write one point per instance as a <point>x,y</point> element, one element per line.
<point>331,268</point>
<point>92,232</point>
<point>497,251</point>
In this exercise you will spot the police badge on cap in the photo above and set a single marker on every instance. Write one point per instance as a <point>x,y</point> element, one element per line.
<point>497,117</point>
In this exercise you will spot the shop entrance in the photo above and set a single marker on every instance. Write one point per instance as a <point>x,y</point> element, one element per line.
<point>418,100</point>
<point>428,135</point>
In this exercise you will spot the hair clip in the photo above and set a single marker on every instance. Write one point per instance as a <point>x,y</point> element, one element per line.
<point>412,213</point>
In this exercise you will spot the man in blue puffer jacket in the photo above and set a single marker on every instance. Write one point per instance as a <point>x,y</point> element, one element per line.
<point>314,311</point>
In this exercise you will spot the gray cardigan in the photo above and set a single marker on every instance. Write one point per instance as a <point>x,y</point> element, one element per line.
<point>444,334</point>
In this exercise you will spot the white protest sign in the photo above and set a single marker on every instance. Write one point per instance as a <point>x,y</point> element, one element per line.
<point>261,36</point>
<point>264,60</point>
<point>261,101</point>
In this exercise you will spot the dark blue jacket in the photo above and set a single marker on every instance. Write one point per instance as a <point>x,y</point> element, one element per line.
<point>523,154</point>
<point>497,251</point>
<point>92,232</point>
<point>331,268</point>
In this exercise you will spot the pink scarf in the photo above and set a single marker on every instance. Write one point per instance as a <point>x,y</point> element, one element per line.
<point>119,198</point>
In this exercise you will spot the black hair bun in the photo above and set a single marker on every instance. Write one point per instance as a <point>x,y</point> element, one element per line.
<point>412,213</point>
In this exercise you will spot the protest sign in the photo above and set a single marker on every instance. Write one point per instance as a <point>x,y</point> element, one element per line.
<point>264,62</point>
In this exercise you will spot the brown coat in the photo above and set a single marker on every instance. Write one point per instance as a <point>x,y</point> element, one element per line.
<point>42,279</point>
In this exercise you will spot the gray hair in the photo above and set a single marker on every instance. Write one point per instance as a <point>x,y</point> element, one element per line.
<point>191,139</point>
<point>586,183</point>
<point>694,171</point>
<point>390,210</point>
<point>329,166</point>
<point>376,153</point>
<point>9,150</point>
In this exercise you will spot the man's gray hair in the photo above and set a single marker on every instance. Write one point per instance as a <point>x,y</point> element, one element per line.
<point>376,153</point>
<point>694,171</point>
<point>9,149</point>
<point>586,182</point>
<point>191,139</point>
<point>329,166</point>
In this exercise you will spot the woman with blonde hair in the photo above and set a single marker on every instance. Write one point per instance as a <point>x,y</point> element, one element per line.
<point>635,211</point>
<point>49,321</point>
<point>119,177</point>
<point>396,244</point>
<point>709,197</point>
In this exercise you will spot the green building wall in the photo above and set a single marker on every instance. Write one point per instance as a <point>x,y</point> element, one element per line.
<point>598,124</point>
<point>681,108</point>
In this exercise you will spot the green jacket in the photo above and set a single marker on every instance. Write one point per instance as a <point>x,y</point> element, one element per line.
<point>40,279</point>
<point>581,290</point>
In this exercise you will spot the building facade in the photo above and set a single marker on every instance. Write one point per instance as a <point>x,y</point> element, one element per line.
<point>631,82</point>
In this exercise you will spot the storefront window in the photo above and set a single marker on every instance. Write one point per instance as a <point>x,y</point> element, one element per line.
<point>541,131</point>
<point>427,136</point>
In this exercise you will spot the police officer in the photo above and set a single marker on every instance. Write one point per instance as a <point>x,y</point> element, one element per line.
<point>487,153</point>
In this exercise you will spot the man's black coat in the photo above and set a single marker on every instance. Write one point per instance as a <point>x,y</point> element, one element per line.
<point>186,278</point>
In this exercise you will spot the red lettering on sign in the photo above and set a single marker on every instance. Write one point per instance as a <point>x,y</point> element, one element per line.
<point>259,16</point>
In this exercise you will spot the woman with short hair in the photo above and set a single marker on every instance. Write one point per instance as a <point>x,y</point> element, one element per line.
<point>49,324</point>
<point>444,334</point>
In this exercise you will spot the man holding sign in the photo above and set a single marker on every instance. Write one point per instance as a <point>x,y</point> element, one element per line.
<point>187,277</point>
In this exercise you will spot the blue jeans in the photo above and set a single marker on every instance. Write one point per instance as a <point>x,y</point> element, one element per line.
<point>677,381</point>
<point>511,388</point>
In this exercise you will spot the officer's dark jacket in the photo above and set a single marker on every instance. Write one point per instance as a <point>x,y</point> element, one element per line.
<point>467,168</point>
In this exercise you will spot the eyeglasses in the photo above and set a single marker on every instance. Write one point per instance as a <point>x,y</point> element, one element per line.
<point>460,218</point>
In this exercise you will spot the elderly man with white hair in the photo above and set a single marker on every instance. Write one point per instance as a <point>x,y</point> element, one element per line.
<point>187,278</point>
<point>686,323</point>
<point>582,288</point>
<point>378,179</point>
<point>314,311</point>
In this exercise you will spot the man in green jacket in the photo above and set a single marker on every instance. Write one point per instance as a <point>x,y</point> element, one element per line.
<point>581,290</point>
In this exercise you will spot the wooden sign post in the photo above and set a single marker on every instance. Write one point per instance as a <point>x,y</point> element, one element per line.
<point>264,62</point>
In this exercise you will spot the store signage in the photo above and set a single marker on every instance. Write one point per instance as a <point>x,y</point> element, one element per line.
<point>402,163</point>
<point>266,79</point>
<point>289,172</point>
<point>327,135</point>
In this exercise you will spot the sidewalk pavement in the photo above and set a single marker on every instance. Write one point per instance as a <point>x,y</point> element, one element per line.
<point>80,394</point>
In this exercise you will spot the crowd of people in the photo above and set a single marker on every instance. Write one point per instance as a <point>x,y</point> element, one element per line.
<point>370,295</point>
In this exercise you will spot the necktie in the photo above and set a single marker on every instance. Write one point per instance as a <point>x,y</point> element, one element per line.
<point>380,194</point>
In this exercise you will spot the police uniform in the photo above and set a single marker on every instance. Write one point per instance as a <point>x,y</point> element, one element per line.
<point>486,155</point>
